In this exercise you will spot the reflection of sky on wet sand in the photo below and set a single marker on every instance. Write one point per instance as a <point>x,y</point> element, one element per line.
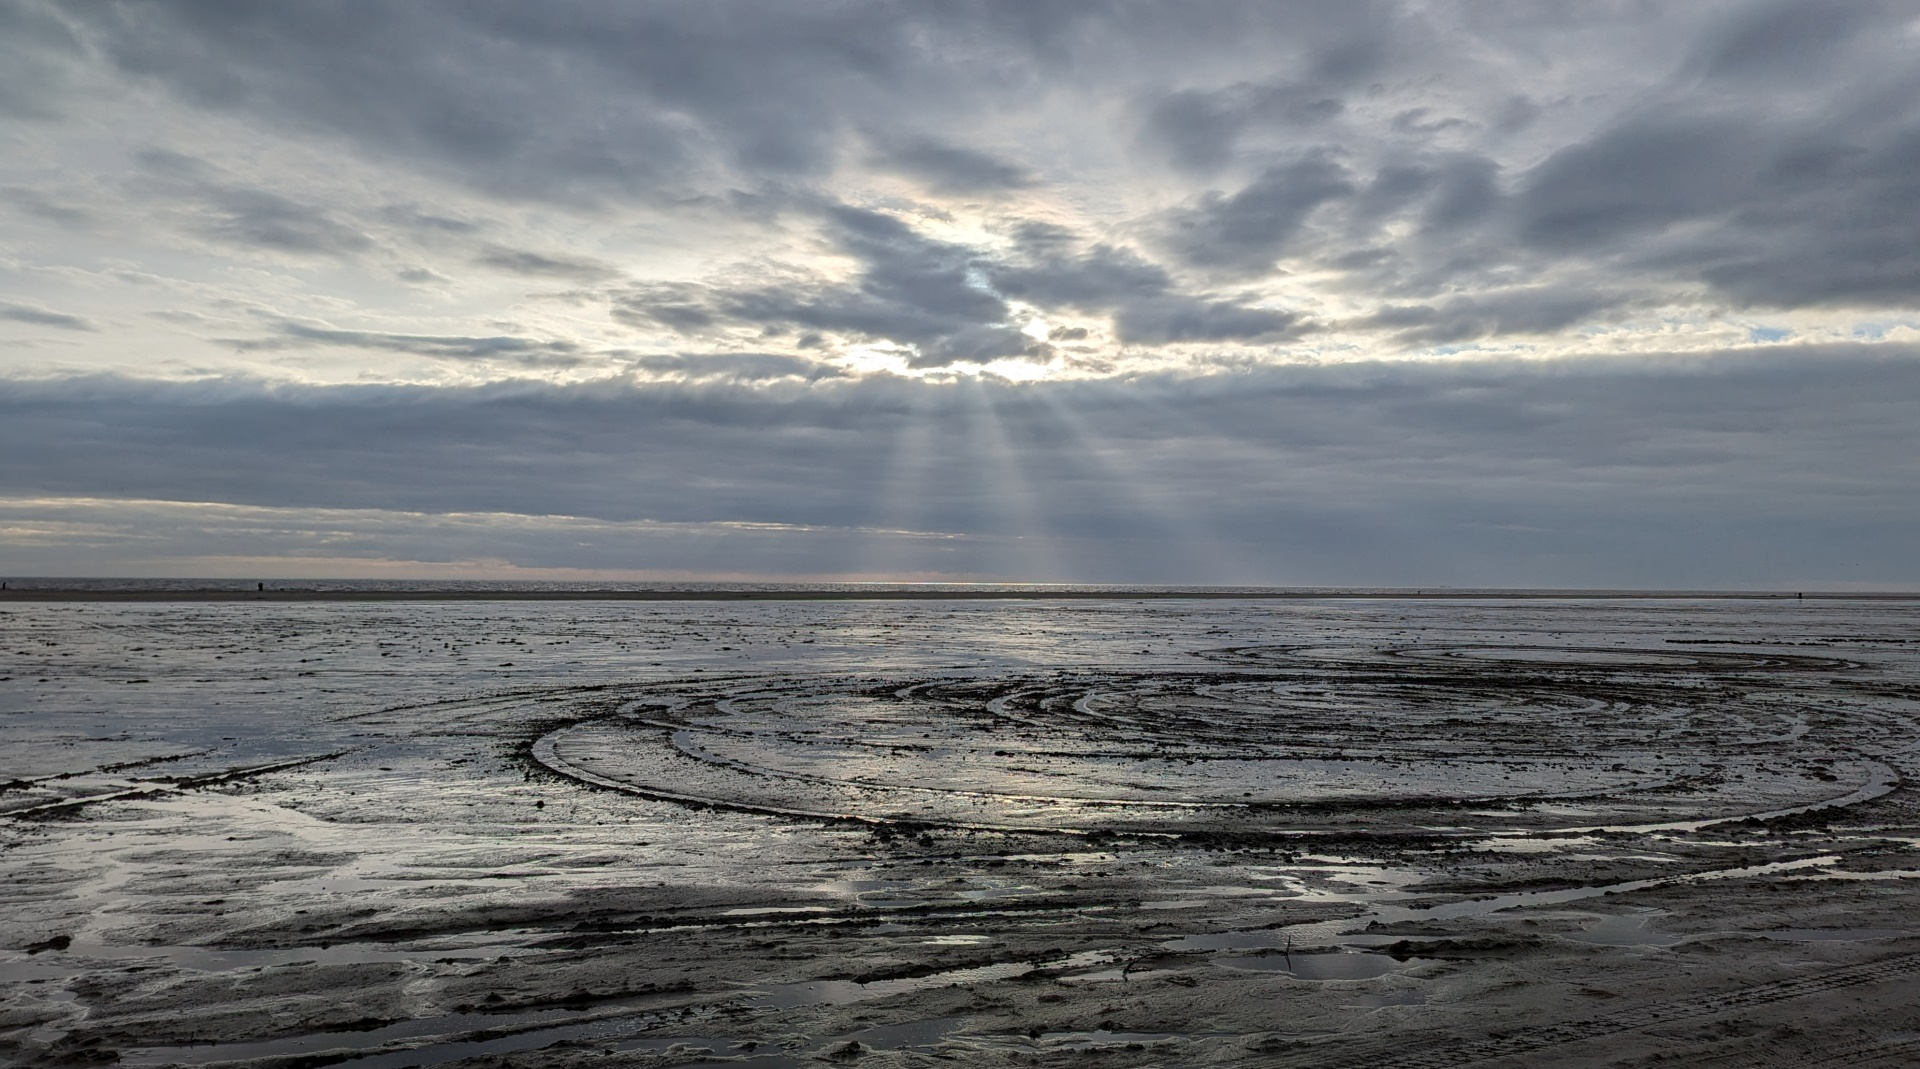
<point>1015,712</point>
<point>1268,749</point>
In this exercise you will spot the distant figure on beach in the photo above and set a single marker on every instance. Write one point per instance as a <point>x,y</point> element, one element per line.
<point>260,586</point>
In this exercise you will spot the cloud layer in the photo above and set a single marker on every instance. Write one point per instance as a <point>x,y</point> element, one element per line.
<point>1361,293</point>
<point>1681,471</point>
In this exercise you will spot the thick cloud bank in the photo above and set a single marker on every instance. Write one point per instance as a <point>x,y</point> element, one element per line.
<point>1678,471</point>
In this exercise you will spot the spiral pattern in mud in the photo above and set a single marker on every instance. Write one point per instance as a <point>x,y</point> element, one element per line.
<point>1448,740</point>
<point>1562,658</point>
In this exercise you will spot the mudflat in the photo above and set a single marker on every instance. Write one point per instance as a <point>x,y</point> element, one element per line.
<point>149,592</point>
<point>1086,831</point>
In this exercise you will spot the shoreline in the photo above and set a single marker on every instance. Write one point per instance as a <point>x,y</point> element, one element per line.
<point>1151,594</point>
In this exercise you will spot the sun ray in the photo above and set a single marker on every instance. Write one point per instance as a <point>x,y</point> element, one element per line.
<point>898,503</point>
<point>1199,554</point>
<point>1017,507</point>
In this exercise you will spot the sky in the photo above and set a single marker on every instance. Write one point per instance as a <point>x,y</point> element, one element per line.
<point>1623,293</point>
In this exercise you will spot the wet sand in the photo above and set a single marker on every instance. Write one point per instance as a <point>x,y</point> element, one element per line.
<point>1095,833</point>
<point>279,593</point>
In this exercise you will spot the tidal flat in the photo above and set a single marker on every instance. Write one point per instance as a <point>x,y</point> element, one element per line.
<point>1090,832</point>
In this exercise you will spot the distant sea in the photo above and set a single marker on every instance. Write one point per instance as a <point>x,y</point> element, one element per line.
<point>147,589</point>
<point>481,586</point>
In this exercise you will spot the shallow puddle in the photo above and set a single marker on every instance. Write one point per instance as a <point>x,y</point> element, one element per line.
<point>1627,930</point>
<point>1320,965</point>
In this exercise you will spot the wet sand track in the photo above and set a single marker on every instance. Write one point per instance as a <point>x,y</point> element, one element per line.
<point>1111,835</point>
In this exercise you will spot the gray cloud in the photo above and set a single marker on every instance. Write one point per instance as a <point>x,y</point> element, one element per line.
<point>912,290</point>
<point>542,265</point>
<point>1310,473</point>
<point>1393,187</point>
<point>1778,167</point>
<point>957,325</point>
<point>524,351</point>
<point>516,101</point>
<point>1784,217</point>
<point>1247,231</point>
<point>980,345</point>
<point>495,122</point>
<point>41,317</point>
<point>947,168</point>
<point>37,52</point>
<point>1528,310</point>
<point>535,353</point>
<point>908,271</point>
<point>1186,319</point>
<point>1199,129</point>
<point>414,218</point>
<point>1467,191</point>
<point>1753,130</point>
<point>237,214</point>
<point>39,203</point>
<point>1444,193</point>
<point>949,300</point>
<point>1098,279</point>
<point>268,220</point>
<point>1422,121</point>
<point>680,306</point>
<point>736,367</point>
<point>1778,39</point>
<point>1638,177</point>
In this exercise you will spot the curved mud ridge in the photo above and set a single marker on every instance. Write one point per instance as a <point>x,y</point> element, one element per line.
<point>1448,741</point>
<point>1563,658</point>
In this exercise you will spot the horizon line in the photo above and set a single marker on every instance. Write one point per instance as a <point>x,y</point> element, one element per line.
<point>341,590</point>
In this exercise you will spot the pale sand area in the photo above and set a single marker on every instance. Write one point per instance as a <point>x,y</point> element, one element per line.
<point>1090,833</point>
